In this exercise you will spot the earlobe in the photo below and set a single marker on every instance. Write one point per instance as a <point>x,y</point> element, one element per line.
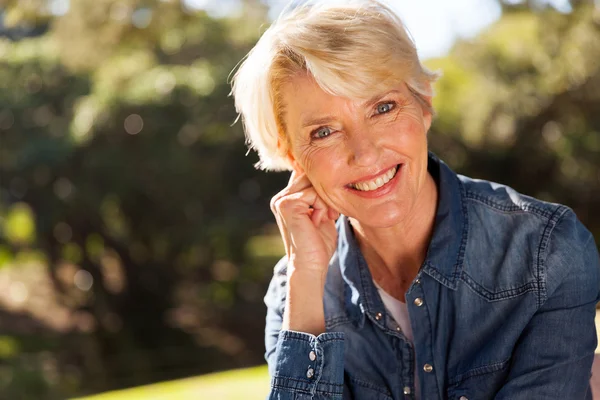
<point>428,112</point>
<point>293,163</point>
<point>427,119</point>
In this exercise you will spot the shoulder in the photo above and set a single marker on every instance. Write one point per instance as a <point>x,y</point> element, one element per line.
<point>508,229</point>
<point>571,255</point>
<point>503,199</point>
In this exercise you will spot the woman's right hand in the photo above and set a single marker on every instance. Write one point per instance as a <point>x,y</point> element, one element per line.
<point>307,227</point>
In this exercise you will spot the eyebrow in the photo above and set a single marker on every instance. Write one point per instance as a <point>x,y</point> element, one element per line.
<point>318,121</point>
<point>378,97</point>
<point>328,118</point>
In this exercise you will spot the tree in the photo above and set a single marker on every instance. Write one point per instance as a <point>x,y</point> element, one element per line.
<point>518,105</point>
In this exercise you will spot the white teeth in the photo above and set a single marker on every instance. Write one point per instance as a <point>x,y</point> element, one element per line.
<point>376,183</point>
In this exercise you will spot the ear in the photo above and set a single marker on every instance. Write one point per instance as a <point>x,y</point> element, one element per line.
<point>294,163</point>
<point>427,108</point>
<point>428,113</point>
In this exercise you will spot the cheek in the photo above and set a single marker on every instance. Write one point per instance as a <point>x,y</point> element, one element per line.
<point>317,161</point>
<point>408,133</point>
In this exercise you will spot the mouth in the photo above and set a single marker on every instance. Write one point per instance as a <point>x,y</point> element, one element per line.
<point>377,182</point>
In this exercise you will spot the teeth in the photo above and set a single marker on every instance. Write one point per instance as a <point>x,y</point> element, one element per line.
<point>376,183</point>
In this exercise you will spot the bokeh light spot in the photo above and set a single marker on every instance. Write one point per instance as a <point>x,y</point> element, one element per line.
<point>18,292</point>
<point>63,232</point>
<point>165,83</point>
<point>134,124</point>
<point>19,224</point>
<point>63,188</point>
<point>188,135</point>
<point>120,12</point>
<point>141,18</point>
<point>83,280</point>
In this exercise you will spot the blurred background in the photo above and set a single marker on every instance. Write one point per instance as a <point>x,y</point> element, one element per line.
<point>136,240</point>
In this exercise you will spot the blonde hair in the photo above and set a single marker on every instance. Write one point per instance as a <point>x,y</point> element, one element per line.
<point>355,50</point>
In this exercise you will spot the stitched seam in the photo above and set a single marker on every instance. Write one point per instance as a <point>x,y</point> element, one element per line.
<point>337,323</point>
<point>369,385</point>
<point>305,391</point>
<point>541,274</point>
<point>500,295</point>
<point>483,370</point>
<point>465,232</point>
<point>333,322</point>
<point>524,207</point>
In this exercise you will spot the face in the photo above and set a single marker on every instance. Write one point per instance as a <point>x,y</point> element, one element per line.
<point>365,159</point>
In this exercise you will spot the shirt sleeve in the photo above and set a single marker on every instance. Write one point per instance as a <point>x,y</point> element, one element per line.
<point>553,357</point>
<point>301,365</point>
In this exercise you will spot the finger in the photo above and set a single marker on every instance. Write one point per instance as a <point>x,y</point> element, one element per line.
<point>283,232</point>
<point>320,210</point>
<point>300,182</point>
<point>293,176</point>
<point>297,183</point>
<point>332,214</point>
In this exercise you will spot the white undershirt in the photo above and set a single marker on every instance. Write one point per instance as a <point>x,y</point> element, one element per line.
<point>399,311</point>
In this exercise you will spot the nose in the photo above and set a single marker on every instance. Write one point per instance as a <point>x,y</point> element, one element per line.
<point>363,148</point>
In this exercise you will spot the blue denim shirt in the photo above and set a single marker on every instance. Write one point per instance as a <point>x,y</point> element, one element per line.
<point>503,307</point>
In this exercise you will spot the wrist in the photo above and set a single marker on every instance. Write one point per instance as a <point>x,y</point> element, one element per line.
<point>304,302</point>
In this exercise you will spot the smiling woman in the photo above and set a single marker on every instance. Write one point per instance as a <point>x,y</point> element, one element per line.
<point>402,279</point>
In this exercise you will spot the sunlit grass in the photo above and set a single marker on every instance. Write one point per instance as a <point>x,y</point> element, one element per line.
<point>246,384</point>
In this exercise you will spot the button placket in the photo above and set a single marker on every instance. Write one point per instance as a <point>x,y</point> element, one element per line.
<point>312,356</point>
<point>315,356</point>
<point>310,373</point>
<point>420,314</point>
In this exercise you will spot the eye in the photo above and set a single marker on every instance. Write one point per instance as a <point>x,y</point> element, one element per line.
<point>383,108</point>
<point>321,133</point>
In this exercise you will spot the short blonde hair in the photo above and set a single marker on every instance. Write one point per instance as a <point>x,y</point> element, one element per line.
<point>355,50</point>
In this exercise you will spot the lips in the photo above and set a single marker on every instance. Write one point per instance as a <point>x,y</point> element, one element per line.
<point>377,182</point>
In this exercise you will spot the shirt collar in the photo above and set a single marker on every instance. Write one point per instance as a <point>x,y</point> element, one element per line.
<point>446,250</point>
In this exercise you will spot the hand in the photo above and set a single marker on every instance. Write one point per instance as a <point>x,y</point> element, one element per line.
<point>306,223</point>
<point>307,227</point>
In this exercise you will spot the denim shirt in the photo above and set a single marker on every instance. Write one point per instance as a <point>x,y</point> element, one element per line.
<point>503,307</point>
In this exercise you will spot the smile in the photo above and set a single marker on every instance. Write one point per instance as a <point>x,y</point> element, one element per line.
<point>374,184</point>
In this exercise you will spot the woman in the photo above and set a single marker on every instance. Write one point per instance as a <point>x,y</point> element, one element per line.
<point>430,285</point>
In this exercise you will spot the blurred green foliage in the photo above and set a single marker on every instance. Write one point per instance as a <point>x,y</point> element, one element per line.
<point>519,105</point>
<point>124,186</point>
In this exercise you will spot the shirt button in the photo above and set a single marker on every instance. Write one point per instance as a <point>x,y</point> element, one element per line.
<point>378,316</point>
<point>463,398</point>
<point>312,356</point>
<point>418,302</point>
<point>310,373</point>
<point>427,368</point>
<point>418,281</point>
<point>398,329</point>
<point>406,389</point>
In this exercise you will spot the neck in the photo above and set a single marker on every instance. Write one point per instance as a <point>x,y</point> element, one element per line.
<point>395,254</point>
